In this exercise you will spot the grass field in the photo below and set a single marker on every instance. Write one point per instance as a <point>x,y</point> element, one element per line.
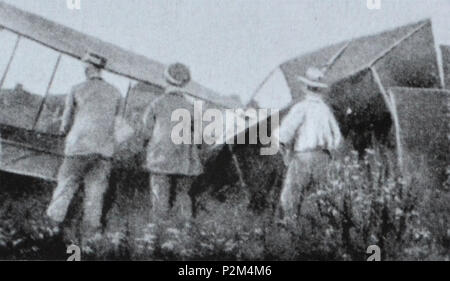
<point>362,202</point>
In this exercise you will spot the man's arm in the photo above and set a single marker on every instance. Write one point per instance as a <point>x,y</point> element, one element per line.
<point>120,106</point>
<point>122,130</point>
<point>335,130</point>
<point>148,122</point>
<point>290,125</point>
<point>68,115</point>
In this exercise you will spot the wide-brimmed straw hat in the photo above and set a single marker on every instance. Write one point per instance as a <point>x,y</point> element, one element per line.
<point>177,75</point>
<point>313,77</point>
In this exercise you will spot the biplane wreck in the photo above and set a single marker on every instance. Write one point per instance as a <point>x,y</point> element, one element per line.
<point>32,150</point>
<point>384,88</point>
<point>378,86</point>
<point>30,145</point>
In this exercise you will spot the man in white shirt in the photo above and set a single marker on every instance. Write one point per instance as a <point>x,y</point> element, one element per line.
<point>308,134</point>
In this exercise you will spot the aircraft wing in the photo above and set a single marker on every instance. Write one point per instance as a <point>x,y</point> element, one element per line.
<point>390,52</point>
<point>27,150</point>
<point>75,44</point>
<point>421,127</point>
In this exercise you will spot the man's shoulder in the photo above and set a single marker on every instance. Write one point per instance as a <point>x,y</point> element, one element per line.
<point>96,85</point>
<point>83,86</point>
<point>106,87</point>
<point>170,99</point>
<point>299,107</point>
<point>308,105</point>
<point>79,86</point>
<point>114,91</point>
<point>313,102</point>
<point>105,84</point>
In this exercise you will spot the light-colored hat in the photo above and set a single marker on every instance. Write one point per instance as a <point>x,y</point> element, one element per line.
<point>313,77</point>
<point>177,75</point>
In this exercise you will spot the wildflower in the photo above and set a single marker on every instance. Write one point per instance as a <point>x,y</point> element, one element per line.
<point>206,246</point>
<point>148,238</point>
<point>173,231</point>
<point>374,238</point>
<point>17,242</point>
<point>320,193</point>
<point>329,231</point>
<point>258,231</point>
<point>116,238</point>
<point>230,246</point>
<point>169,245</point>
<point>220,240</point>
<point>86,249</point>
<point>151,226</point>
<point>334,212</point>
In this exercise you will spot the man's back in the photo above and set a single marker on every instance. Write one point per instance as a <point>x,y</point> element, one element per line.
<point>311,125</point>
<point>93,106</point>
<point>163,156</point>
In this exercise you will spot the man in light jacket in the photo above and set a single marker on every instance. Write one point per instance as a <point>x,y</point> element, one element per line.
<point>308,134</point>
<point>171,165</point>
<point>88,121</point>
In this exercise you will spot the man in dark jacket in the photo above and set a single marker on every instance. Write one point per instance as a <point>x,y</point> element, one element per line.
<point>170,164</point>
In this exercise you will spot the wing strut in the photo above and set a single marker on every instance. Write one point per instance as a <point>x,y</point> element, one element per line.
<point>11,58</point>
<point>49,86</point>
<point>390,103</point>
<point>333,60</point>
<point>237,167</point>
<point>125,104</point>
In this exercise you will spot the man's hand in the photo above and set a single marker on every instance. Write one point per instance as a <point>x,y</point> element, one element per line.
<point>63,132</point>
<point>285,153</point>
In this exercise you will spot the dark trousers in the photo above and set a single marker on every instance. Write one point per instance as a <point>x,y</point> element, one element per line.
<point>161,185</point>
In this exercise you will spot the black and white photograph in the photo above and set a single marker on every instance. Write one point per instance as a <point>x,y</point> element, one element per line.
<point>236,131</point>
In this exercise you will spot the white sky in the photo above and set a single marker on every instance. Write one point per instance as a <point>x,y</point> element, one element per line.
<point>230,45</point>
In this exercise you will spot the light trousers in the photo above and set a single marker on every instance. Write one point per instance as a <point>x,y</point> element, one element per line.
<point>304,169</point>
<point>94,171</point>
